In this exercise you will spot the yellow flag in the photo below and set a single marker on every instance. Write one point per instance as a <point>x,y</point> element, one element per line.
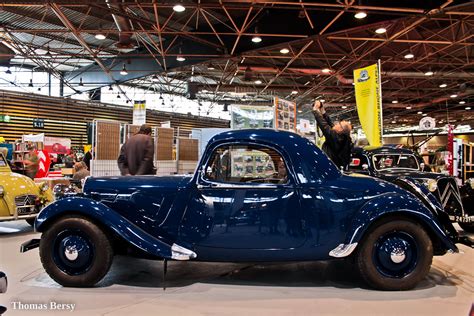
<point>368,92</point>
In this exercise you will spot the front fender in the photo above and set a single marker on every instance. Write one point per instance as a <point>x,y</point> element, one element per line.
<point>396,204</point>
<point>107,217</point>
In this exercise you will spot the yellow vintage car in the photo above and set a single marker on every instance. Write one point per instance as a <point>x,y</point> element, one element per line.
<point>20,197</point>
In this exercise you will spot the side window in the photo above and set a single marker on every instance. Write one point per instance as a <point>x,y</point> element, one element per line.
<point>357,163</point>
<point>246,164</point>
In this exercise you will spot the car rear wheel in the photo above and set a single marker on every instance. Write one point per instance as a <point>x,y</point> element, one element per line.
<point>75,252</point>
<point>395,255</point>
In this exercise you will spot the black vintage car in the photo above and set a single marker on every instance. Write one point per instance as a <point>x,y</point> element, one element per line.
<point>392,163</point>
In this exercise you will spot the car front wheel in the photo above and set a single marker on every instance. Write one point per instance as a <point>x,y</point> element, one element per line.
<point>395,255</point>
<point>75,252</point>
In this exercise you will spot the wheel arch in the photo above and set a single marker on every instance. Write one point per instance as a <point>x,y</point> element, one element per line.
<point>108,220</point>
<point>390,206</point>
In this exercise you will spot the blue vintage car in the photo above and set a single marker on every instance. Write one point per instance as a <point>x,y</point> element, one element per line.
<point>257,195</point>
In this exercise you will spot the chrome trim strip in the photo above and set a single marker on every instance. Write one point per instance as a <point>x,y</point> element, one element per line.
<point>343,250</point>
<point>181,253</point>
<point>417,189</point>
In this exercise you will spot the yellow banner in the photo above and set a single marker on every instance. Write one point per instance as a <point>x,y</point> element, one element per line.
<point>368,92</point>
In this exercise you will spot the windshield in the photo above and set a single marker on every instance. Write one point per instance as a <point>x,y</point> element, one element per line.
<point>3,162</point>
<point>382,162</point>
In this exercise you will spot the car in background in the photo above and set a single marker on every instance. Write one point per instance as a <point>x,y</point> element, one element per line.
<point>3,289</point>
<point>391,163</point>
<point>20,197</point>
<point>305,209</point>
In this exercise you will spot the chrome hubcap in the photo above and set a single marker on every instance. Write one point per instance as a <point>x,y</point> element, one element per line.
<point>71,253</point>
<point>397,255</point>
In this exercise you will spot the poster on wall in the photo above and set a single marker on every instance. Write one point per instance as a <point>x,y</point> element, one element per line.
<point>251,116</point>
<point>57,145</point>
<point>285,114</point>
<point>139,112</point>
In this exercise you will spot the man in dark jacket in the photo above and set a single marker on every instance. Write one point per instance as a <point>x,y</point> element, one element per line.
<point>338,143</point>
<point>136,155</point>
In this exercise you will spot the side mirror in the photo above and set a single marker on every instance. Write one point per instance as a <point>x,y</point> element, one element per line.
<point>422,166</point>
<point>365,166</point>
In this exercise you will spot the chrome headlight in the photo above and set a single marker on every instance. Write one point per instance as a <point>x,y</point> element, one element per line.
<point>2,191</point>
<point>431,184</point>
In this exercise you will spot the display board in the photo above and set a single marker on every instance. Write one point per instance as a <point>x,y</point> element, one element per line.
<point>164,143</point>
<point>188,149</point>
<point>251,116</point>
<point>251,164</point>
<point>285,114</point>
<point>107,140</point>
<point>57,145</point>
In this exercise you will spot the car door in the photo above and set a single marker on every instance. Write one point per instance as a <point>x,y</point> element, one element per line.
<point>245,198</point>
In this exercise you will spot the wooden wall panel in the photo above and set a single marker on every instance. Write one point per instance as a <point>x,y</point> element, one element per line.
<point>188,149</point>
<point>164,144</point>
<point>108,140</point>
<point>68,118</point>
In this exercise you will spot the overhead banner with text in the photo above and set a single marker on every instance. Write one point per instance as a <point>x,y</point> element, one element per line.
<point>368,92</point>
<point>139,112</point>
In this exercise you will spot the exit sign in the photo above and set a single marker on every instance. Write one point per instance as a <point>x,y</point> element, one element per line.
<point>38,123</point>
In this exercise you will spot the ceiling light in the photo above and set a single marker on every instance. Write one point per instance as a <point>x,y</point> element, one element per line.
<point>180,58</point>
<point>154,78</point>
<point>393,122</point>
<point>31,83</point>
<point>163,102</point>
<point>110,88</point>
<point>118,96</point>
<point>80,82</point>
<point>394,101</point>
<point>211,67</point>
<point>408,107</point>
<point>179,8</point>
<point>467,108</point>
<point>462,102</point>
<point>409,56</point>
<point>100,36</point>
<point>8,72</point>
<point>419,112</point>
<point>429,73</point>
<point>258,81</point>
<point>443,85</point>
<point>380,30</point>
<point>326,70</point>
<point>424,114</point>
<point>344,106</point>
<point>322,100</point>
<point>453,96</point>
<point>124,71</point>
<point>300,111</point>
<point>256,39</point>
<point>284,50</point>
<point>294,92</point>
<point>360,15</point>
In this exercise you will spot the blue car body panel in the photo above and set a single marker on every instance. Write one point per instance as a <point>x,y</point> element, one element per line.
<point>303,219</point>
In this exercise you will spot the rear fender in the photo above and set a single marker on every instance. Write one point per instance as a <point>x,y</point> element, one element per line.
<point>107,217</point>
<point>396,204</point>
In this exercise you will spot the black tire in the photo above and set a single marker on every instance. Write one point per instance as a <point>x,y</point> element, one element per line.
<point>92,261</point>
<point>467,227</point>
<point>31,221</point>
<point>383,270</point>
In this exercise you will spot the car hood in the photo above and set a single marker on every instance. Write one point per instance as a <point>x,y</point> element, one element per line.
<point>130,184</point>
<point>18,183</point>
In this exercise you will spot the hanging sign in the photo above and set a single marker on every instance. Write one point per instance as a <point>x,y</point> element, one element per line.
<point>139,112</point>
<point>368,92</point>
<point>44,162</point>
<point>450,147</point>
<point>251,116</point>
<point>427,123</point>
<point>38,123</point>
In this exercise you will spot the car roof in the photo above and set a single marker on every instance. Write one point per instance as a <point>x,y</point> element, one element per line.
<point>383,150</point>
<point>278,137</point>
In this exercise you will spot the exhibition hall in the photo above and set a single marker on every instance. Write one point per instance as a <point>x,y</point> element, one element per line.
<point>237,157</point>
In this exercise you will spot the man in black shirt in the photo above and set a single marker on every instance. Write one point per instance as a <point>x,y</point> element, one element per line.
<point>338,143</point>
